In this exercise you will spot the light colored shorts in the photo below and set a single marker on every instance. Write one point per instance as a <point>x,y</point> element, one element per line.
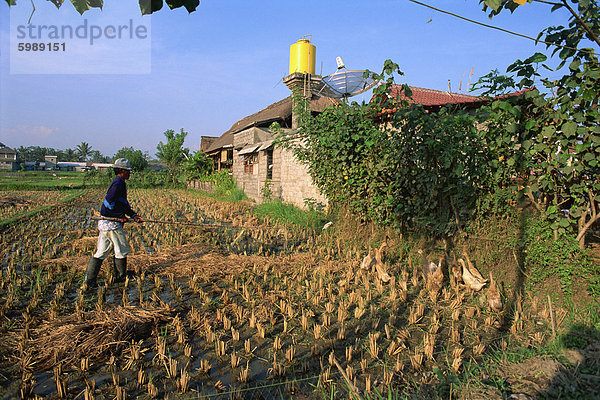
<point>109,240</point>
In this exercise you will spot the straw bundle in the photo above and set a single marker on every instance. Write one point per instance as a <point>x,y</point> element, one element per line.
<point>67,340</point>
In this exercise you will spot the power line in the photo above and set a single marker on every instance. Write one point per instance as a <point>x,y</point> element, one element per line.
<point>495,27</point>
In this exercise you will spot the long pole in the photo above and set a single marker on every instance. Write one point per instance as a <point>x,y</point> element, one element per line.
<point>155,221</point>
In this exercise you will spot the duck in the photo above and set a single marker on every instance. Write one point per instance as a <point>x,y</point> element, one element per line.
<point>435,280</point>
<point>455,272</point>
<point>368,262</point>
<point>472,278</point>
<point>434,276</point>
<point>379,266</point>
<point>493,296</point>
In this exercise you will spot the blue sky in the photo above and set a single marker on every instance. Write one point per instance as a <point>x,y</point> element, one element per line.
<point>205,70</point>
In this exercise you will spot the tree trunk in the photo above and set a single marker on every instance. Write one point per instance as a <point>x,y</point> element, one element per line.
<point>581,231</point>
<point>582,224</point>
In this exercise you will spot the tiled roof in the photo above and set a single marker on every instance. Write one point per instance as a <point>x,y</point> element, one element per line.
<point>7,150</point>
<point>433,98</point>
<point>225,140</point>
<point>430,97</point>
<point>277,111</point>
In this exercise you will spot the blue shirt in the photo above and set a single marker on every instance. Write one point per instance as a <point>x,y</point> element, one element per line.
<point>115,203</point>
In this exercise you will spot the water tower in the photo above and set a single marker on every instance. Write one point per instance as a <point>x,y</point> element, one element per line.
<point>302,72</point>
<point>342,84</point>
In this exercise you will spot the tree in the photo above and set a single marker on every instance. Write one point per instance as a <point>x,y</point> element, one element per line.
<point>70,155</point>
<point>555,143</point>
<point>96,156</point>
<point>146,6</point>
<point>198,165</point>
<point>137,158</point>
<point>172,153</point>
<point>34,153</point>
<point>83,150</point>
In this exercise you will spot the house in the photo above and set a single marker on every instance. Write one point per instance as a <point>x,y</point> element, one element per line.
<point>8,159</point>
<point>220,150</point>
<point>258,166</point>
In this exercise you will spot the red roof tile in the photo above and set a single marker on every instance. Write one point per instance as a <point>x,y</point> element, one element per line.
<point>430,97</point>
<point>433,98</point>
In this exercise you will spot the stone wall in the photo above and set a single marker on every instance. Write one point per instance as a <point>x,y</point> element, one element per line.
<point>201,185</point>
<point>290,181</point>
<point>296,183</point>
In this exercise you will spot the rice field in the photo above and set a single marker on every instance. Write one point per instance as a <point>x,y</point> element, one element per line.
<point>237,308</point>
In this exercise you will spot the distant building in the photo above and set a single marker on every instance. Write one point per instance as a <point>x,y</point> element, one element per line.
<point>8,159</point>
<point>51,159</point>
<point>102,166</point>
<point>74,166</point>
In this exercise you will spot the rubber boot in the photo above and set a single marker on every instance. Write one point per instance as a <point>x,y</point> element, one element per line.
<point>119,269</point>
<point>91,272</point>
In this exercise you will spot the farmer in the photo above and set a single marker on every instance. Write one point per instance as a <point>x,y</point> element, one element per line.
<point>112,236</point>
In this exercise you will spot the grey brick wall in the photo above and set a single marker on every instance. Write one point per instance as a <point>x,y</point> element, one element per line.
<point>290,183</point>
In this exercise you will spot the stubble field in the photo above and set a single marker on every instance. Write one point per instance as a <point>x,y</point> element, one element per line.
<point>246,308</point>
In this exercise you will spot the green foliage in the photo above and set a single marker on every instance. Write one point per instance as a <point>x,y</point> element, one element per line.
<point>552,142</point>
<point>146,6</point>
<point>500,201</point>
<point>494,84</point>
<point>496,6</point>
<point>97,157</point>
<point>150,6</point>
<point>137,158</point>
<point>289,214</point>
<point>198,165</point>
<point>266,191</point>
<point>172,153</point>
<point>231,194</point>
<point>83,5</point>
<point>220,178</point>
<point>69,155</point>
<point>37,153</point>
<point>42,180</point>
<point>314,205</point>
<point>579,336</point>
<point>146,179</point>
<point>225,188</point>
<point>83,150</point>
<point>546,257</point>
<point>406,168</point>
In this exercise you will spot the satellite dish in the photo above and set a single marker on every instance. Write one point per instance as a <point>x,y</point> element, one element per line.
<point>343,83</point>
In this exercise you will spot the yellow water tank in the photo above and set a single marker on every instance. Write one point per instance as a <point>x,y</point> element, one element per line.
<point>302,57</point>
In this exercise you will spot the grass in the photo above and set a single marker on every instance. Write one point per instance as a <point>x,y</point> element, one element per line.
<point>232,195</point>
<point>31,213</point>
<point>289,214</point>
<point>41,180</point>
<point>225,188</point>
